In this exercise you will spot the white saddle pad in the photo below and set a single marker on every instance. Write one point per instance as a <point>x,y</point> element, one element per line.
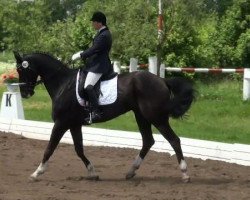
<point>108,91</point>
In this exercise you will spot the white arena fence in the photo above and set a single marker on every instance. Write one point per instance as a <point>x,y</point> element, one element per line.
<point>152,67</point>
<point>232,153</point>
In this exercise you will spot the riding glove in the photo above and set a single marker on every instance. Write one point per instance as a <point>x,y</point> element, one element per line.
<point>76,56</point>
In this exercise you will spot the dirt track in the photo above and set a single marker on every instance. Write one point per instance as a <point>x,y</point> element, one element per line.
<point>158,178</point>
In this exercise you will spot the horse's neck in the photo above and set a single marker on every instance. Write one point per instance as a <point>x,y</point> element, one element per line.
<point>56,78</point>
<point>53,82</point>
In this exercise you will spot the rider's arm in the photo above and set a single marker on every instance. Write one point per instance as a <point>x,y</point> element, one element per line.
<point>99,45</point>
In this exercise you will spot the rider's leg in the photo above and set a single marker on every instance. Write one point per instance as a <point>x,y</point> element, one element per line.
<point>90,81</point>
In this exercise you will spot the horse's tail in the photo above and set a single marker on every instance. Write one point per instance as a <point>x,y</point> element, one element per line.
<point>182,94</point>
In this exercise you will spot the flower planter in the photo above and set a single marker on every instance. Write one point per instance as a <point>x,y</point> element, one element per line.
<point>12,87</point>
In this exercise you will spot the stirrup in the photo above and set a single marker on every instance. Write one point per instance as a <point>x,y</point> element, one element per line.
<point>90,118</point>
<point>93,116</point>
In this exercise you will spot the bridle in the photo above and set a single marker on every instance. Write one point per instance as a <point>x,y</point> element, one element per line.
<point>21,67</point>
<point>26,81</point>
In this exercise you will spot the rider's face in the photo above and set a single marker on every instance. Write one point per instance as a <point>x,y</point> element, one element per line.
<point>96,25</point>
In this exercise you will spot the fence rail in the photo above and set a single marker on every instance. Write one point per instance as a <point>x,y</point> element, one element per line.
<point>152,67</point>
<point>204,70</point>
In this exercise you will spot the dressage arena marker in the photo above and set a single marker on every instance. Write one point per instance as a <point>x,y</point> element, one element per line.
<point>232,153</point>
<point>152,67</point>
<point>11,105</point>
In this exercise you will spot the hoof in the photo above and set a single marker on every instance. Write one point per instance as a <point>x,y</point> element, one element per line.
<point>186,179</point>
<point>93,178</point>
<point>130,175</point>
<point>33,179</point>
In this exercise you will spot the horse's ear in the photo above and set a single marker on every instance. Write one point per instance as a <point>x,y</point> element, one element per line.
<point>18,57</point>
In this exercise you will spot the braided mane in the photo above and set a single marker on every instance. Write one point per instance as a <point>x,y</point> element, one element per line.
<point>51,56</point>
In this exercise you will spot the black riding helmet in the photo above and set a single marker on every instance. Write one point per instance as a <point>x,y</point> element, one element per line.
<point>98,17</point>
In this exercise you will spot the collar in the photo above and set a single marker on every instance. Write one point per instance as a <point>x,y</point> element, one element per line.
<point>102,28</point>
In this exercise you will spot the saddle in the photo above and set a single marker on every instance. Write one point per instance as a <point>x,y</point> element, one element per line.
<point>82,78</point>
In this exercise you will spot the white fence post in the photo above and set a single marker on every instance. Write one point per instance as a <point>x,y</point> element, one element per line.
<point>117,67</point>
<point>162,70</point>
<point>246,84</point>
<point>133,64</point>
<point>152,64</point>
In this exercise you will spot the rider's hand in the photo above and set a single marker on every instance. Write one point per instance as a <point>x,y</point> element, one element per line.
<point>76,56</point>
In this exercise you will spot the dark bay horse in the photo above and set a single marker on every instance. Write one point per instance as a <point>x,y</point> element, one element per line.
<point>152,99</point>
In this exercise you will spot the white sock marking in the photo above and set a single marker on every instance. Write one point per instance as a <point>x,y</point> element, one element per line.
<point>91,170</point>
<point>137,162</point>
<point>183,166</point>
<point>40,170</point>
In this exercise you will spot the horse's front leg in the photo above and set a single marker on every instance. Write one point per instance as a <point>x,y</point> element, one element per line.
<point>76,133</point>
<point>56,135</point>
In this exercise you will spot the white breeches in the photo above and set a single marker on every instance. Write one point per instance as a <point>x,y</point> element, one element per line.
<point>92,79</point>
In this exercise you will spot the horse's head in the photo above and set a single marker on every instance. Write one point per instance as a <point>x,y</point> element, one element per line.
<point>27,75</point>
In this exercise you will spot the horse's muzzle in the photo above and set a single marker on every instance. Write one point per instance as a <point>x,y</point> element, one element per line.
<point>27,94</point>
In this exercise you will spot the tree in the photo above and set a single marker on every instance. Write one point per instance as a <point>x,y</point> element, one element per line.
<point>232,36</point>
<point>61,9</point>
<point>23,24</point>
<point>203,33</point>
<point>133,29</point>
<point>180,19</point>
<point>217,6</point>
<point>58,40</point>
<point>3,46</point>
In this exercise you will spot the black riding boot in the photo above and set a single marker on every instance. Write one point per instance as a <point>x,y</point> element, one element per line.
<point>96,115</point>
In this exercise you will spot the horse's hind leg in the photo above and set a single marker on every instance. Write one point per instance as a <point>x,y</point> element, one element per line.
<point>174,140</point>
<point>148,141</point>
<point>76,133</point>
<point>56,135</point>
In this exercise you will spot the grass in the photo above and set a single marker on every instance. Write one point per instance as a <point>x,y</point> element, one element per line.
<point>38,107</point>
<point>218,114</point>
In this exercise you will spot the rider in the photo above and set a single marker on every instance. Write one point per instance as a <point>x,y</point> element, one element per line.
<point>97,59</point>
